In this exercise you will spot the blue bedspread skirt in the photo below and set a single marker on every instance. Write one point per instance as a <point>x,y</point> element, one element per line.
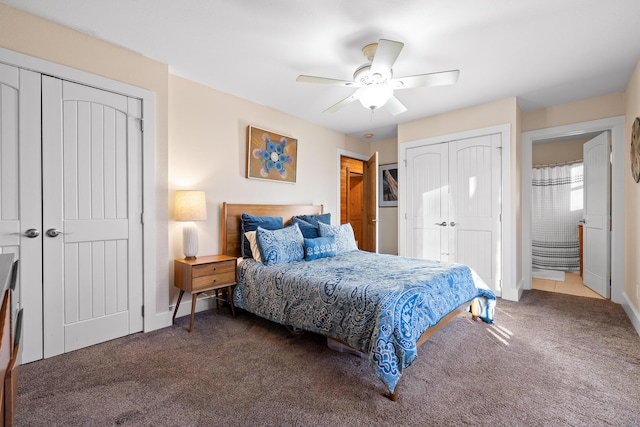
<point>378,304</point>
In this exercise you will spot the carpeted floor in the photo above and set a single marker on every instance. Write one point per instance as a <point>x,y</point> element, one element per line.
<point>549,360</point>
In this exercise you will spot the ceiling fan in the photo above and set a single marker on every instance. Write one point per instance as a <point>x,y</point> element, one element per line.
<point>375,81</point>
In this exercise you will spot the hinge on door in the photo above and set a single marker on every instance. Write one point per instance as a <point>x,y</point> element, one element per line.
<point>142,218</point>
<point>500,217</point>
<point>405,162</point>
<point>141,125</point>
<point>142,307</point>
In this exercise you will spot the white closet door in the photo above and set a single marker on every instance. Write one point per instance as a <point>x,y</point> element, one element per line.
<point>474,217</point>
<point>427,202</point>
<point>91,216</point>
<point>20,204</point>
<point>597,233</point>
<point>9,160</point>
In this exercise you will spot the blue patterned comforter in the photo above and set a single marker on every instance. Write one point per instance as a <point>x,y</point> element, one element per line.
<point>378,304</point>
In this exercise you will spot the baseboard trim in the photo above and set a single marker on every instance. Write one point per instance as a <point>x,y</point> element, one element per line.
<point>632,312</point>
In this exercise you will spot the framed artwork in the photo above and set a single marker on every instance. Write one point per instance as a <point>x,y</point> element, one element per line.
<point>388,185</point>
<point>271,156</point>
<point>635,150</point>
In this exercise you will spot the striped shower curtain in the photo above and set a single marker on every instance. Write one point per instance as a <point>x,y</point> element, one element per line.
<point>557,209</point>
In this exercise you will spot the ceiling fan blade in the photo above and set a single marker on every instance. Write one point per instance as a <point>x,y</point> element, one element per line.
<point>421,80</point>
<point>326,81</point>
<point>394,106</point>
<point>340,105</point>
<point>386,54</point>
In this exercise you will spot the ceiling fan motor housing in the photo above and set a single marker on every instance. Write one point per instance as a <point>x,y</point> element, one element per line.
<point>363,76</point>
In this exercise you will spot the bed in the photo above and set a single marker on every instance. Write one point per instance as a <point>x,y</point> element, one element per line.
<point>386,313</point>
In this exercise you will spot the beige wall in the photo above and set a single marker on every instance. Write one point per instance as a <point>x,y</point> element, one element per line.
<point>388,215</point>
<point>632,197</point>
<point>200,136</point>
<point>30,35</point>
<point>207,151</point>
<point>601,107</point>
<point>557,152</point>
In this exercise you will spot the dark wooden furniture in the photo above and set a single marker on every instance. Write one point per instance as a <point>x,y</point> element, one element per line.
<point>205,273</point>
<point>580,238</point>
<point>9,339</point>
<point>231,244</point>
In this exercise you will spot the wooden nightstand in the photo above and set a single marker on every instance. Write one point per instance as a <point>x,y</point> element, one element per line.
<point>202,274</point>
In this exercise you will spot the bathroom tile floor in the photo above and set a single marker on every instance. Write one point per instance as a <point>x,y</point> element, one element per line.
<point>572,285</point>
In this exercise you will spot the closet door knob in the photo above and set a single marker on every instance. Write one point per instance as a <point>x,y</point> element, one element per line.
<point>452,223</point>
<point>54,232</point>
<point>32,233</point>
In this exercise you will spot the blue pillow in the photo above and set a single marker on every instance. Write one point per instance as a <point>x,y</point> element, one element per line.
<point>308,230</point>
<point>251,223</point>
<point>280,246</point>
<point>315,219</point>
<point>320,247</point>
<point>345,239</point>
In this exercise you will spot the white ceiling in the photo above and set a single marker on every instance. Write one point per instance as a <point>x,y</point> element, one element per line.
<point>545,52</point>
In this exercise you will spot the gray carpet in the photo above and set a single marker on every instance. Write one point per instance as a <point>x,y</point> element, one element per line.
<point>549,360</point>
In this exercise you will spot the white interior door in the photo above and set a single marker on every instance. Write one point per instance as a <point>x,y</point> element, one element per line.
<point>474,217</point>
<point>92,205</point>
<point>427,186</point>
<point>453,204</point>
<point>596,229</point>
<point>20,189</point>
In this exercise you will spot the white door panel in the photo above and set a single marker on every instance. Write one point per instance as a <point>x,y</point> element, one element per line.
<point>427,201</point>
<point>92,193</point>
<point>20,195</point>
<point>596,231</point>
<point>475,212</point>
<point>457,185</point>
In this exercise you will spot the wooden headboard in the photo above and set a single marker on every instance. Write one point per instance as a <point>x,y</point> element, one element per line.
<point>231,224</point>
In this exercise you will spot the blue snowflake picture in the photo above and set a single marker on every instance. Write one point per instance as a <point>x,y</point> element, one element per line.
<point>272,156</point>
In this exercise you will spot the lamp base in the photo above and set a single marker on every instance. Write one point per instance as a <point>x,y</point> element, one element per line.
<point>190,240</point>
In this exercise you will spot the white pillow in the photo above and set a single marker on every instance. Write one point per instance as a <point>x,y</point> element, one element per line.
<point>345,240</point>
<point>253,242</point>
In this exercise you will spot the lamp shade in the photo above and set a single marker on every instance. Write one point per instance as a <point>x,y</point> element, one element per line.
<point>190,205</point>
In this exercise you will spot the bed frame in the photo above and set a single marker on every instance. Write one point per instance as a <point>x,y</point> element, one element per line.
<point>231,244</point>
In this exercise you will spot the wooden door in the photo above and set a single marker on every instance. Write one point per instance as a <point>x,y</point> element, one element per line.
<point>355,207</point>
<point>370,226</point>
<point>20,195</point>
<point>596,229</point>
<point>92,205</point>
<point>352,195</point>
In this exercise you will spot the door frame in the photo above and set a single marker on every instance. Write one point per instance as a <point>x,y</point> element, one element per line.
<point>152,319</point>
<point>616,126</point>
<point>511,286</point>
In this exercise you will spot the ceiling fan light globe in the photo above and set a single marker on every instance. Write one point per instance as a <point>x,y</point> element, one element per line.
<point>374,96</point>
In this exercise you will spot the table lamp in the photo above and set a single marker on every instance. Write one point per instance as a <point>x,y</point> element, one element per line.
<point>190,205</point>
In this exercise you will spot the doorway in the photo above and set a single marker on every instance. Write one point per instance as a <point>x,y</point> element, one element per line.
<point>558,214</point>
<point>358,197</point>
<point>585,129</point>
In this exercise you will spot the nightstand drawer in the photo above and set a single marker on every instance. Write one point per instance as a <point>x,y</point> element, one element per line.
<point>214,280</point>
<point>214,268</point>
